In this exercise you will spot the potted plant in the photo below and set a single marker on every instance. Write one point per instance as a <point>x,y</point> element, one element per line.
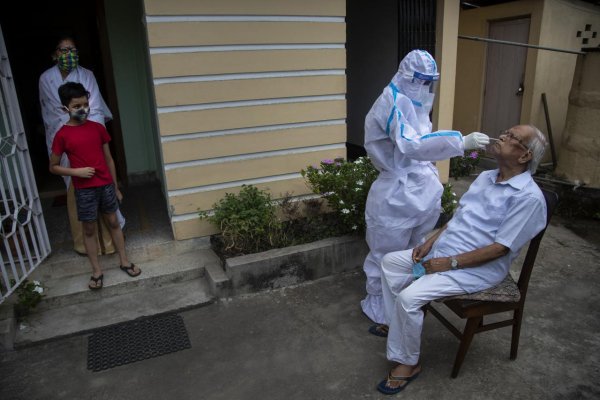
<point>29,295</point>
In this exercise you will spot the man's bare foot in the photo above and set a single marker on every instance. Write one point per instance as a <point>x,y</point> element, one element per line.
<point>406,370</point>
<point>401,375</point>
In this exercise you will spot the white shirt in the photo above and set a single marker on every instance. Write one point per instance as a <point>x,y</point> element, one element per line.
<point>510,213</point>
<point>55,116</point>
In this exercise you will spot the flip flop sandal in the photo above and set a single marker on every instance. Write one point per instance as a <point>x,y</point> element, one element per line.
<point>380,330</point>
<point>130,270</point>
<point>98,282</point>
<point>385,389</point>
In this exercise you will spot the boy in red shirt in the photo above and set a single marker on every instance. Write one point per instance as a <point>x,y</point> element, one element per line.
<point>93,173</point>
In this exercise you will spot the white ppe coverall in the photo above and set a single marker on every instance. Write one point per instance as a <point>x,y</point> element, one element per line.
<point>403,203</point>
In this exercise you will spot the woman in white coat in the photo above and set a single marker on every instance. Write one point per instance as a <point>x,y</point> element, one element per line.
<point>67,69</point>
<point>404,203</point>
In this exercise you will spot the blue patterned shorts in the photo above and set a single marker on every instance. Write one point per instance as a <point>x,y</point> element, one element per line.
<point>90,200</point>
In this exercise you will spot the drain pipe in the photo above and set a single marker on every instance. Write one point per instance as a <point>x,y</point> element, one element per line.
<point>552,151</point>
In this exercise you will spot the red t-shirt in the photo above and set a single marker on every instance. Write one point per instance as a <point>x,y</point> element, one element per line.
<point>83,145</point>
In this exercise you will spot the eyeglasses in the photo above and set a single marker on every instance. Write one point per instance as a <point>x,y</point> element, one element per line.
<point>65,50</point>
<point>511,136</point>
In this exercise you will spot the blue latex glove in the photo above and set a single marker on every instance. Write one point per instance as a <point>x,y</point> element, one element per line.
<point>418,270</point>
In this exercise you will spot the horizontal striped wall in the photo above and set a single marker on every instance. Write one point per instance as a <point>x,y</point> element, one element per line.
<point>247,92</point>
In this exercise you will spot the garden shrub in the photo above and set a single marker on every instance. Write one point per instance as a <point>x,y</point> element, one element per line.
<point>449,202</point>
<point>248,221</point>
<point>345,185</point>
<point>464,165</point>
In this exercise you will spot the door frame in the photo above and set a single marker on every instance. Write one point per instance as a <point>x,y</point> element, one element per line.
<point>117,147</point>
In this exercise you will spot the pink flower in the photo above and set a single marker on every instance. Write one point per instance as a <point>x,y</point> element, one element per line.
<point>474,155</point>
<point>327,161</point>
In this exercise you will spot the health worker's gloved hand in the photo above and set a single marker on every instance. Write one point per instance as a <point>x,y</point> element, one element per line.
<point>475,140</point>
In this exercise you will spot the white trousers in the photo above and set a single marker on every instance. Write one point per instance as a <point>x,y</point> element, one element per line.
<point>382,241</point>
<point>403,297</point>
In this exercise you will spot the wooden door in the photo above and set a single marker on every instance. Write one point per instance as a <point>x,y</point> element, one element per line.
<point>504,76</point>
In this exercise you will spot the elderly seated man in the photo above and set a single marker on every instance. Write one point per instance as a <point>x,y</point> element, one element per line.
<point>502,211</point>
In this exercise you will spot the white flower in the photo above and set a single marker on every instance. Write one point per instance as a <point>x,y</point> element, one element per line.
<point>357,189</point>
<point>358,161</point>
<point>453,194</point>
<point>345,211</point>
<point>354,227</point>
<point>359,183</point>
<point>37,283</point>
<point>39,289</point>
<point>454,202</point>
<point>341,201</point>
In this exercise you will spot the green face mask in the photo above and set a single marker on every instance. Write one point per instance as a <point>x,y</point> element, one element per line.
<point>68,61</point>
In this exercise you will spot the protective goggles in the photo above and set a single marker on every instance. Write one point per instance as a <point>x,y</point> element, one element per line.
<point>424,79</point>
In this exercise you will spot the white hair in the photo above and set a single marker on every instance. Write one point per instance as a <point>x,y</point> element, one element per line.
<point>537,146</point>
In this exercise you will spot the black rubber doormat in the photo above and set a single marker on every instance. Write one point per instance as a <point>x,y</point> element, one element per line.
<point>136,340</point>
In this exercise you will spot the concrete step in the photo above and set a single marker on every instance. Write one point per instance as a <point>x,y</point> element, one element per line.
<point>72,289</point>
<point>84,317</point>
<point>68,263</point>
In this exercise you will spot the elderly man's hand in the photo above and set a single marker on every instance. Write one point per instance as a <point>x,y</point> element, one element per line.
<point>421,251</point>
<point>440,264</point>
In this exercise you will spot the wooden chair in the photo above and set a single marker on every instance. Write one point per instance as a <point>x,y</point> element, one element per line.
<point>507,296</point>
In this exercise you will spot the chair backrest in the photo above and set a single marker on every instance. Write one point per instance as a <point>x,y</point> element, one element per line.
<point>534,245</point>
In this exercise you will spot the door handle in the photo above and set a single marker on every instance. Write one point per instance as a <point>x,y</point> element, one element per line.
<point>520,90</point>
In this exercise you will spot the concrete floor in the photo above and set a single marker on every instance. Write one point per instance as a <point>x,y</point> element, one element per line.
<point>143,206</point>
<point>311,342</point>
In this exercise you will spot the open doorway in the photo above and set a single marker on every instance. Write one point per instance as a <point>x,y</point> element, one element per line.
<point>30,40</point>
<point>120,66</point>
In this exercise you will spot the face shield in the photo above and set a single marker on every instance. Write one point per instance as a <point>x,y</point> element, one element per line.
<point>417,79</point>
<point>428,82</point>
<point>423,87</point>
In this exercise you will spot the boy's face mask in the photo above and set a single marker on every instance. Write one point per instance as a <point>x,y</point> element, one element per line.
<point>67,61</point>
<point>80,115</point>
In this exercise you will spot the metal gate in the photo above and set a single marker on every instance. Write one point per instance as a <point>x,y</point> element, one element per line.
<point>23,237</point>
<point>416,26</point>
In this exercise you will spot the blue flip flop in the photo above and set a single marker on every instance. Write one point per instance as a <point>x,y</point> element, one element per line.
<point>383,388</point>
<point>380,330</point>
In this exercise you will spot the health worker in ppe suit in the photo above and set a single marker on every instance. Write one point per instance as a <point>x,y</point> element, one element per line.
<point>404,203</point>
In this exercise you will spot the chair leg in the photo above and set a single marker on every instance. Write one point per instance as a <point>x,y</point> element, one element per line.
<point>465,342</point>
<point>516,333</point>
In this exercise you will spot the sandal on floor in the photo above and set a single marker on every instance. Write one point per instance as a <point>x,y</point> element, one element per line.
<point>384,387</point>
<point>379,330</point>
<point>130,270</point>
<point>98,282</point>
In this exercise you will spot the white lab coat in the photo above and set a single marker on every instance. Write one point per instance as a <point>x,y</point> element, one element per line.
<point>54,115</point>
<point>403,204</point>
